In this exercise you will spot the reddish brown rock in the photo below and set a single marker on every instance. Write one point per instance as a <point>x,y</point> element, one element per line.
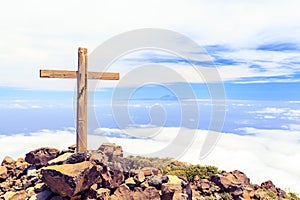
<point>70,179</point>
<point>268,185</point>
<point>8,162</point>
<point>41,156</point>
<point>228,180</point>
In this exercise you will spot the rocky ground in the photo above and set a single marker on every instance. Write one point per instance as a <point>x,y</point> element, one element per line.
<point>104,174</point>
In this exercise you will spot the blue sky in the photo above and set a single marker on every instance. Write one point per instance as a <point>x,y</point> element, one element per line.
<point>253,45</point>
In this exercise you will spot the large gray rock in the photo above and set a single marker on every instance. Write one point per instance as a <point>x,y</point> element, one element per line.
<point>71,179</point>
<point>41,156</point>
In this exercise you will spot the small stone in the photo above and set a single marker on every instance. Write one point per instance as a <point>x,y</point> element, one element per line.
<point>39,187</point>
<point>130,182</point>
<point>103,193</point>
<point>155,181</point>
<point>72,147</point>
<point>170,189</point>
<point>141,176</point>
<point>32,172</point>
<point>15,195</point>
<point>60,159</point>
<point>117,179</point>
<point>30,191</point>
<point>122,193</point>
<point>76,158</point>
<point>149,171</point>
<point>196,178</point>
<point>174,179</point>
<point>98,158</point>
<point>3,173</point>
<point>152,193</point>
<point>8,162</point>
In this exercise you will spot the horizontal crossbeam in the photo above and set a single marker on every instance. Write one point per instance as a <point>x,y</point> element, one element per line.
<point>73,74</point>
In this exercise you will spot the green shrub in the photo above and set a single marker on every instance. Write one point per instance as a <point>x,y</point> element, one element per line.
<point>140,161</point>
<point>293,196</point>
<point>226,196</point>
<point>272,195</point>
<point>191,171</point>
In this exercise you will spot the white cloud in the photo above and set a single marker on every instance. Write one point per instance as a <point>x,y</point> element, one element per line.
<point>261,154</point>
<point>46,35</point>
<point>282,113</point>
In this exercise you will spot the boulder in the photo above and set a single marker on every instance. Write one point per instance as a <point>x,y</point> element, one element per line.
<point>8,162</point>
<point>240,177</point>
<point>232,182</point>
<point>70,179</point>
<point>268,185</point>
<point>41,156</point>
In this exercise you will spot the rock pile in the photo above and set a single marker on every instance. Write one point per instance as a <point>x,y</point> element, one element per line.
<point>104,174</point>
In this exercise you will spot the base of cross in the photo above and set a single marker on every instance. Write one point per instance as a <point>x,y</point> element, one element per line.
<point>82,75</point>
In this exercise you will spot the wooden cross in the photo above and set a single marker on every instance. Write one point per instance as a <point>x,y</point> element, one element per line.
<point>82,76</point>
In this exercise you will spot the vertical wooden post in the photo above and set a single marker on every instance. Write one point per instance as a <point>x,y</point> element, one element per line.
<point>82,84</point>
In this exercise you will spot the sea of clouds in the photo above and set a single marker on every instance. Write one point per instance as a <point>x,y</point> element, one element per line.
<point>261,153</point>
